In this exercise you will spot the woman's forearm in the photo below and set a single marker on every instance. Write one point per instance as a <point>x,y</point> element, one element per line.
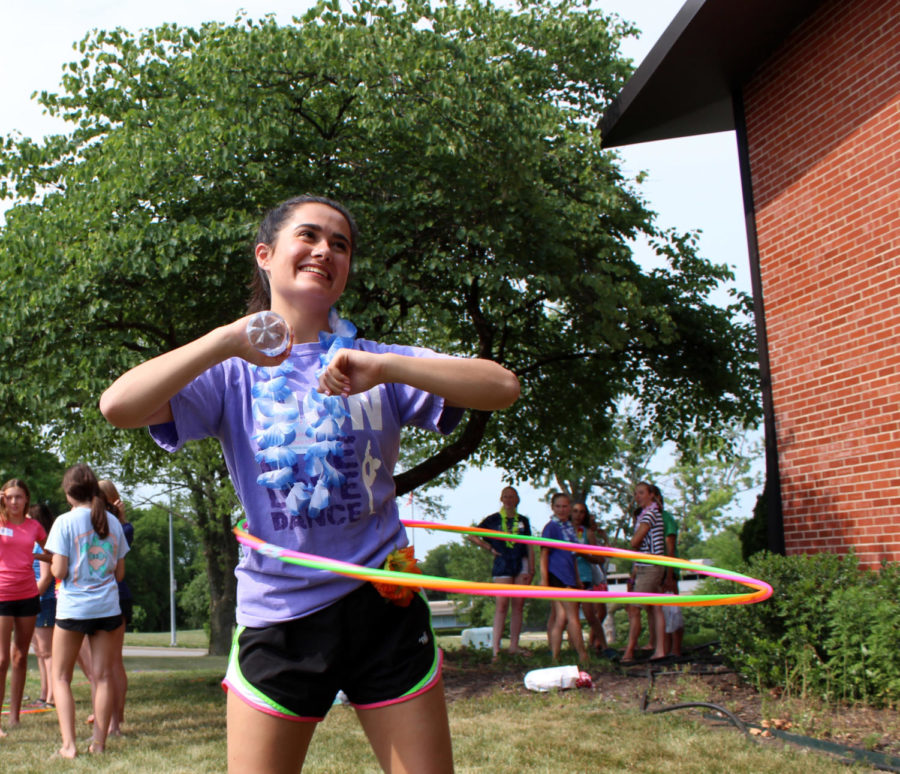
<point>141,396</point>
<point>473,383</point>
<point>59,566</point>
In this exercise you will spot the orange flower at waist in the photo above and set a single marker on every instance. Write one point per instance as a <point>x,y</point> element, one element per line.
<point>399,560</point>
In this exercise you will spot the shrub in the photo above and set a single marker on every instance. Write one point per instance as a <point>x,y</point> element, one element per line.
<point>828,629</point>
<point>193,600</point>
<point>755,532</point>
<point>138,619</point>
<point>864,641</point>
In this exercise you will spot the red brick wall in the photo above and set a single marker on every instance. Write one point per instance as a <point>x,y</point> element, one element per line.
<point>823,126</point>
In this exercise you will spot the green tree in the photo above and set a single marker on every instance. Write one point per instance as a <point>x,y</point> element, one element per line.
<point>723,548</point>
<point>193,599</point>
<point>706,478</point>
<point>23,454</point>
<point>622,460</point>
<point>463,137</point>
<point>699,488</point>
<point>466,562</point>
<point>147,565</point>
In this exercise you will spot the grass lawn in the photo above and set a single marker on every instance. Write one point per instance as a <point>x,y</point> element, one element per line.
<point>175,722</point>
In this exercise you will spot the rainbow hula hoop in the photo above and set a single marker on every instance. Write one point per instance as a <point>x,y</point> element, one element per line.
<point>761,589</point>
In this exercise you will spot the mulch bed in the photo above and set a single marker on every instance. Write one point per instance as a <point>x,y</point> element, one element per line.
<point>470,674</point>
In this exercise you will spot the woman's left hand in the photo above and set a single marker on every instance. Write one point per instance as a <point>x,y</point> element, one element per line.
<point>472,383</point>
<point>351,371</point>
<point>669,582</point>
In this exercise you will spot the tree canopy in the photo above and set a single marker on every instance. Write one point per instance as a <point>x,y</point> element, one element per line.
<point>23,455</point>
<point>464,138</point>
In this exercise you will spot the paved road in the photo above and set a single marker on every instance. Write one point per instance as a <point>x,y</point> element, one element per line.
<point>164,652</point>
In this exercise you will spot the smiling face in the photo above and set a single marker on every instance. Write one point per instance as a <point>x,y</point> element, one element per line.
<point>309,261</point>
<point>16,501</point>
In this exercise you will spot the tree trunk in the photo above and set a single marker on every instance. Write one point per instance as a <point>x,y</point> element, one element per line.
<point>221,615</point>
<point>220,549</point>
<point>213,501</point>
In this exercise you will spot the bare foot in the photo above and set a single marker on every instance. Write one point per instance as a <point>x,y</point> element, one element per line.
<point>67,752</point>
<point>90,719</point>
<point>2,733</point>
<point>95,749</point>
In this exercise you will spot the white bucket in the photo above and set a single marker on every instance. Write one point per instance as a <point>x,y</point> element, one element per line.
<point>480,637</point>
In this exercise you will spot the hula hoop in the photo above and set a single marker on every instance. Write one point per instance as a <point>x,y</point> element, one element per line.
<point>32,711</point>
<point>762,590</point>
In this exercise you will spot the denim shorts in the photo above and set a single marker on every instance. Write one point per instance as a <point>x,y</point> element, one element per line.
<point>508,566</point>
<point>47,617</point>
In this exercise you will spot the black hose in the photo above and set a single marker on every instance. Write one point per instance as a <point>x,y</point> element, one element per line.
<point>738,723</point>
<point>849,754</point>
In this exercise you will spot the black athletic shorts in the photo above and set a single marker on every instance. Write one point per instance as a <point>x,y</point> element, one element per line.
<point>376,652</point>
<point>90,626</point>
<point>556,583</point>
<point>21,608</point>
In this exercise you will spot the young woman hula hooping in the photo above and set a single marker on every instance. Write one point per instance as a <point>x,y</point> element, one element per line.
<point>311,437</point>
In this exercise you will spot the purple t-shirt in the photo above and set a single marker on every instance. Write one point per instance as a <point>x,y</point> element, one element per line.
<point>561,563</point>
<point>360,525</point>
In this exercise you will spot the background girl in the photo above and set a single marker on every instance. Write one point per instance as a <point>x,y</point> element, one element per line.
<point>19,598</point>
<point>88,550</point>
<point>43,630</point>
<point>115,506</point>
<point>513,563</point>
<point>558,569</point>
<point>591,574</point>
<point>119,675</point>
<point>311,438</point>
<point>647,538</point>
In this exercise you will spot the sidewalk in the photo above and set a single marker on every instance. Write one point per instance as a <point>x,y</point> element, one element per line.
<point>163,652</point>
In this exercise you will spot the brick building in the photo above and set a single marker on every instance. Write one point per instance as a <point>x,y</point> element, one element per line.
<point>812,90</point>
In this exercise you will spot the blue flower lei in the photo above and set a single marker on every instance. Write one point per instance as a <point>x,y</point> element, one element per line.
<point>283,439</point>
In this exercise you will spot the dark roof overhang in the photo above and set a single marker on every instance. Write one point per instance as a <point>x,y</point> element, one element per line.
<point>685,84</point>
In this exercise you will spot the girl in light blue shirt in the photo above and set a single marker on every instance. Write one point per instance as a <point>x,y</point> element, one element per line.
<point>88,549</point>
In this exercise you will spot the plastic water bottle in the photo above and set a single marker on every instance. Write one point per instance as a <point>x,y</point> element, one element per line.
<point>269,333</point>
<point>557,678</point>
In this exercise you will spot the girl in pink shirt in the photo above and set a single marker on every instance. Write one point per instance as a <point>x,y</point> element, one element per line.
<point>19,598</point>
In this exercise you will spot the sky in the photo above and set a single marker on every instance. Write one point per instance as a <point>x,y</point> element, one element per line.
<point>692,183</point>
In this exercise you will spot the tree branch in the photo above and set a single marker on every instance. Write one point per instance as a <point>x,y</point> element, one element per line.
<point>446,458</point>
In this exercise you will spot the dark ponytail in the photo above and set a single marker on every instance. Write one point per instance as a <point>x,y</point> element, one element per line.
<point>80,483</point>
<point>99,519</point>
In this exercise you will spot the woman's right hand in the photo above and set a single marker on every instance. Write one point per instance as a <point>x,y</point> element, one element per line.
<point>236,336</point>
<point>140,397</point>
